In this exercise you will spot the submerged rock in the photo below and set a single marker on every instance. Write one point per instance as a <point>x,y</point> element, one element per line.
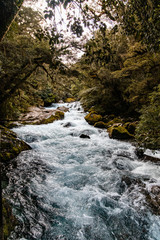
<point>11,146</point>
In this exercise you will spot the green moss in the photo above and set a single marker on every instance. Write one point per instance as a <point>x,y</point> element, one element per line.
<point>11,146</point>
<point>115,120</point>
<point>131,127</point>
<point>100,125</point>
<point>59,115</point>
<point>48,120</point>
<point>92,118</point>
<point>119,132</point>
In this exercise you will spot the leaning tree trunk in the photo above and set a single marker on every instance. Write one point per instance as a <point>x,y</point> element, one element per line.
<point>8,11</point>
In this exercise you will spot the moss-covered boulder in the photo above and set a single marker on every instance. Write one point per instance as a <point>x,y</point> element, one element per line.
<point>92,118</point>
<point>9,221</point>
<point>131,127</point>
<point>57,116</point>
<point>100,124</point>
<point>119,132</point>
<point>69,100</point>
<point>115,121</point>
<point>10,145</point>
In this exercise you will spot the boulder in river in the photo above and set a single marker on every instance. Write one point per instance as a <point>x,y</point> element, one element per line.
<point>93,117</point>
<point>37,115</point>
<point>119,132</point>
<point>11,146</point>
<point>84,136</point>
<point>57,116</point>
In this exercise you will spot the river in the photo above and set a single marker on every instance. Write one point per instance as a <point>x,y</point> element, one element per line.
<point>73,188</point>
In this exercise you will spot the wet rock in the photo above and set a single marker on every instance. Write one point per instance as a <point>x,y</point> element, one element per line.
<point>139,152</point>
<point>153,199</point>
<point>63,109</point>
<point>57,116</point>
<point>92,118</point>
<point>88,132</point>
<point>131,180</point>
<point>123,165</point>
<point>145,157</point>
<point>119,132</point>
<point>11,146</point>
<point>84,136</point>
<point>37,115</point>
<point>68,124</point>
<point>151,158</point>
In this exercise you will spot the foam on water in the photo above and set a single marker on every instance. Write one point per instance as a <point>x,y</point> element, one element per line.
<point>71,188</point>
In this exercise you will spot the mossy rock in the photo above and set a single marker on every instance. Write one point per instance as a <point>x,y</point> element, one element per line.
<point>9,221</point>
<point>11,146</point>
<point>92,118</point>
<point>58,116</point>
<point>114,121</point>
<point>119,132</point>
<point>131,127</point>
<point>69,100</point>
<point>92,109</point>
<point>100,125</point>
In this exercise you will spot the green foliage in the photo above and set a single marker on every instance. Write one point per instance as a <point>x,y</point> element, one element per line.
<point>148,130</point>
<point>48,97</point>
<point>29,66</point>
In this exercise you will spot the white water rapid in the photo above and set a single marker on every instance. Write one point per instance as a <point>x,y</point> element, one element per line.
<point>73,188</point>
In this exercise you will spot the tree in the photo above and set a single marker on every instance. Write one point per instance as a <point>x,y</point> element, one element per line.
<point>148,130</point>
<point>8,10</point>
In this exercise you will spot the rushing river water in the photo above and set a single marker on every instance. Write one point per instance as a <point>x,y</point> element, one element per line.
<point>71,188</point>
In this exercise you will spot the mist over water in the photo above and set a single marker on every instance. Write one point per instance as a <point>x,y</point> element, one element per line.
<point>72,188</point>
